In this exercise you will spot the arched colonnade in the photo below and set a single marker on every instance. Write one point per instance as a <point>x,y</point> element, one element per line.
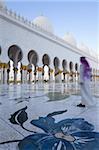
<point>15,71</point>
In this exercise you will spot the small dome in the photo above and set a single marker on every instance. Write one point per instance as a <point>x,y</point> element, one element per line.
<point>43,23</point>
<point>84,48</point>
<point>69,38</point>
<point>2,3</point>
<point>93,53</point>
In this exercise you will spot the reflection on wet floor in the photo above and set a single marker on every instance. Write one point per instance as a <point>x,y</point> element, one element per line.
<point>16,92</point>
<point>56,96</point>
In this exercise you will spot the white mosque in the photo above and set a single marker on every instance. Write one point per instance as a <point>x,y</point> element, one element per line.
<point>30,51</point>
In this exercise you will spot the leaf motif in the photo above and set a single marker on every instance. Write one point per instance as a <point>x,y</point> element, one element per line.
<point>56,113</point>
<point>22,117</point>
<point>13,118</point>
<point>19,117</point>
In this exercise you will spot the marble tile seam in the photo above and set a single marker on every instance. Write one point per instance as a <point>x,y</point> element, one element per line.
<point>11,127</point>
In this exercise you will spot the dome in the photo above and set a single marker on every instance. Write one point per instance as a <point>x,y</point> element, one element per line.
<point>43,23</point>
<point>93,53</point>
<point>84,48</point>
<point>69,38</point>
<point>2,3</point>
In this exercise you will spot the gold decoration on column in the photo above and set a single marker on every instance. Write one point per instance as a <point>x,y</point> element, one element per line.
<point>40,69</point>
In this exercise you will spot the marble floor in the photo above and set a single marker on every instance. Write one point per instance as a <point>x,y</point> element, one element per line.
<point>44,116</point>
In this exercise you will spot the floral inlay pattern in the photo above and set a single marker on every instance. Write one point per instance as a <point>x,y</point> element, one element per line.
<point>67,134</point>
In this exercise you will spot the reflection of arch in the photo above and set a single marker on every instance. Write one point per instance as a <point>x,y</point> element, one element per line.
<point>15,53</point>
<point>71,66</point>
<point>64,64</point>
<point>56,62</point>
<point>32,57</point>
<point>76,67</point>
<point>46,59</point>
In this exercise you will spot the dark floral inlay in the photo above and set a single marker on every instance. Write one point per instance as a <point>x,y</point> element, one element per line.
<point>19,117</point>
<point>67,134</point>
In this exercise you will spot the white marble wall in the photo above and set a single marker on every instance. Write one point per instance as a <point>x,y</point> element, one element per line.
<point>15,30</point>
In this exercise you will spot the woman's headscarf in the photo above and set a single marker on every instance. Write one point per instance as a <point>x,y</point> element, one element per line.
<point>87,69</point>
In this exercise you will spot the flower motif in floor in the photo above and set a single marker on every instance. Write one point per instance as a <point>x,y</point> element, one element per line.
<point>68,134</point>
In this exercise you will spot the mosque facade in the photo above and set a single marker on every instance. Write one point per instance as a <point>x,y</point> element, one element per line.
<point>31,51</point>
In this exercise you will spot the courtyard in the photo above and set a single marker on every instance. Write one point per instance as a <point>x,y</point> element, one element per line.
<point>48,114</point>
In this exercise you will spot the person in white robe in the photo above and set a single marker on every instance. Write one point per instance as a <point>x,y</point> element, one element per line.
<point>85,81</point>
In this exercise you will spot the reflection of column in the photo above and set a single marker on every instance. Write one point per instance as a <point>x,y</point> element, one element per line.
<point>75,76</point>
<point>15,75</point>
<point>35,73</point>
<point>3,75</point>
<point>67,77</point>
<point>43,73</point>
<point>30,72</point>
<point>57,75</point>
<point>39,74</point>
<point>63,76</point>
<point>96,76</point>
<point>30,75</point>
<point>93,77</point>
<point>21,71</point>
<point>8,71</point>
<point>0,74</point>
<point>71,76</point>
<point>51,74</point>
<point>78,76</point>
<point>24,74</point>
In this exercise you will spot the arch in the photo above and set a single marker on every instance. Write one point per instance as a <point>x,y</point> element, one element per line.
<point>32,57</point>
<point>46,60</point>
<point>56,62</point>
<point>15,54</point>
<point>15,51</point>
<point>64,64</point>
<point>71,66</point>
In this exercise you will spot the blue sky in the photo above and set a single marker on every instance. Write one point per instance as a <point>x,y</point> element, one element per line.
<point>80,17</point>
